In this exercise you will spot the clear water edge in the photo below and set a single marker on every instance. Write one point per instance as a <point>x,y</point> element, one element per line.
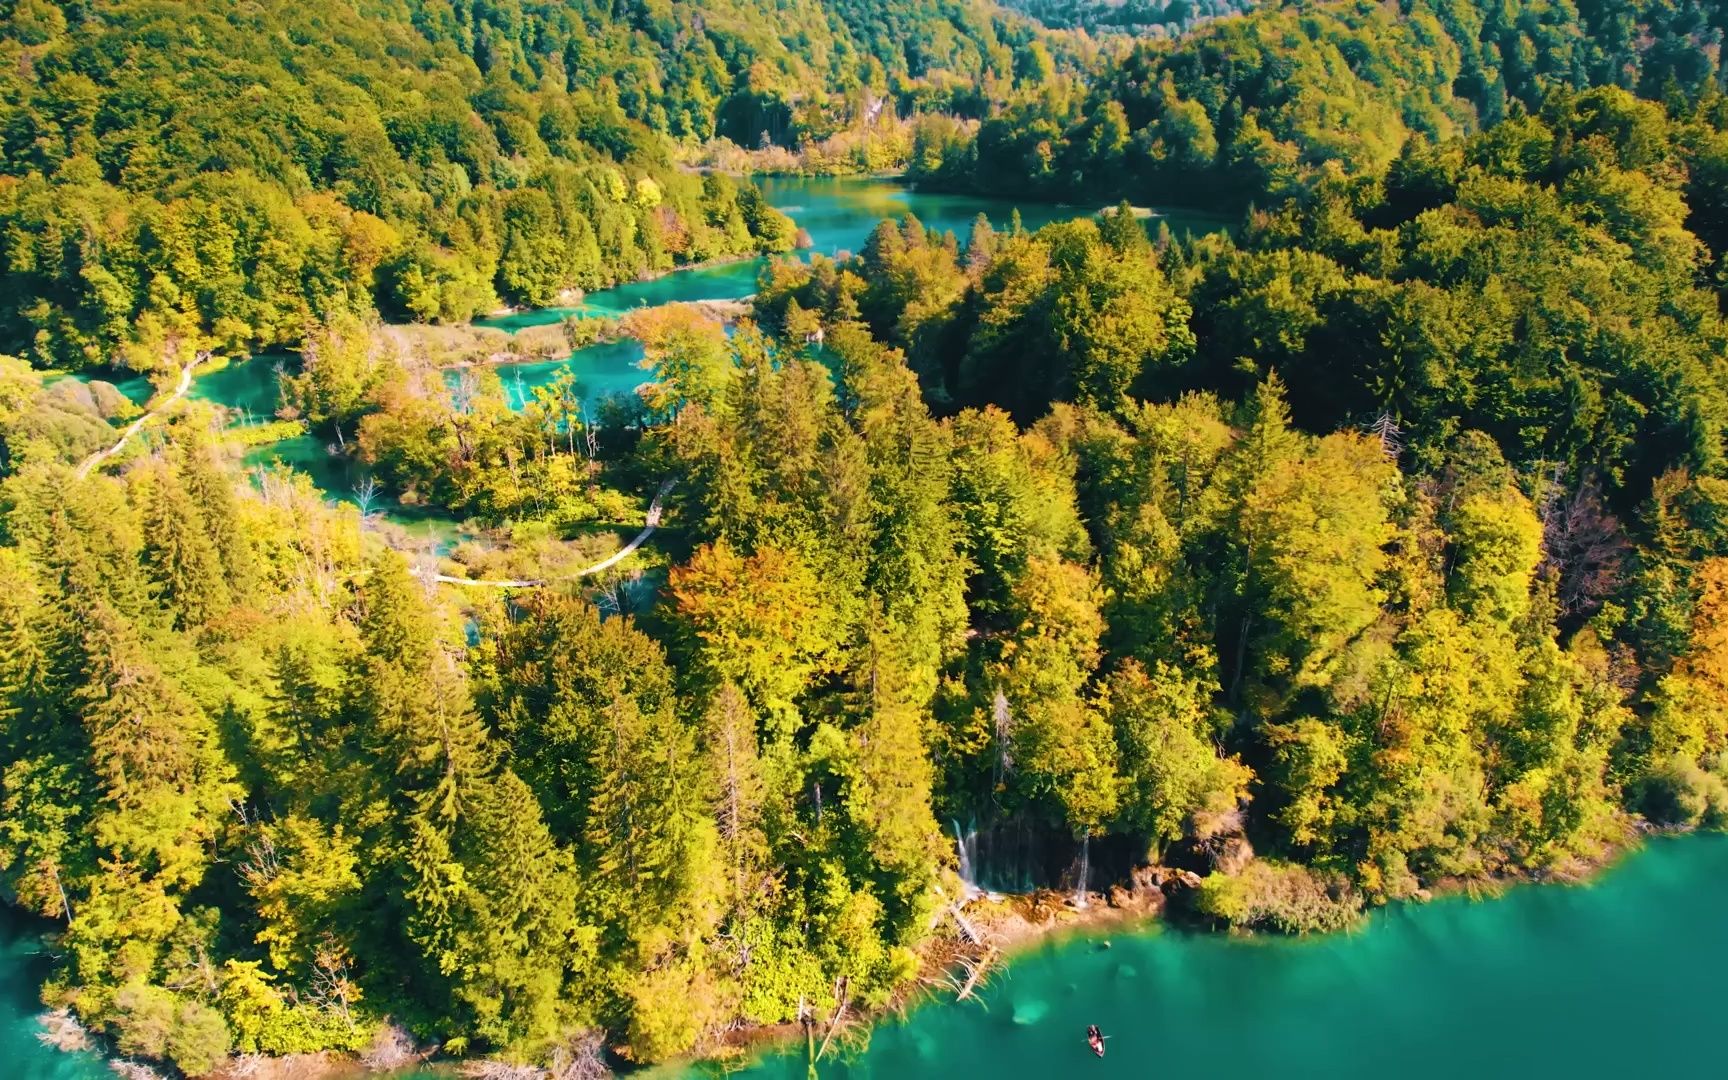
<point>838,213</point>
<point>1589,980</point>
<point>1584,980</point>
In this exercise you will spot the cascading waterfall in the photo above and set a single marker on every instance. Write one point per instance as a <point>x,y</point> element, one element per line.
<point>966,843</point>
<point>1085,871</point>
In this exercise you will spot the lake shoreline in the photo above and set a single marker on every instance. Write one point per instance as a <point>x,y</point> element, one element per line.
<point>1024,922</point>
<point>1017,924</point>
<point>581,296</point>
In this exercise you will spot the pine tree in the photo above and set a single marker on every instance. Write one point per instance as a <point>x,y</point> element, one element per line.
<point>211,490</point>
<point>649,836</point>
<point>730,736</point>
<point>559,666</point>
<point>1266,444</point>
<point>525,946</point>
<point>1123,232</point>
<point>888,794</point>
<point>138,725</point>
<point>29,699</point>
<point>178,553</point>
<point>980,246</point>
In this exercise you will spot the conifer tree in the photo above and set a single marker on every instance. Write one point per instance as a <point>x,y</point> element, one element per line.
<point>729,733</point>
<point>211,490</point>
<point>527,951</point>
<point>139,727</point>
<point>178,551</point>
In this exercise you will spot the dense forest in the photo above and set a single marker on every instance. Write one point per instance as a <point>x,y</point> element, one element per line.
<point>1141,18</point>
<point>1251,108</point>
<point>175,176</point>
<point>1378,546</point>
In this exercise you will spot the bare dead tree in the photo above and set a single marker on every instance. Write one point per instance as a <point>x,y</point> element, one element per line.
<point>590,434</point>
<point>333,989</point>
<point>842,998</point>
<point>1002,722</point>
<point>53,869</point>
<point>1391,436</point>
<point>426,570</point>
<point>976,970</point>
<point>1585,547</point>
<point>263,863</point>
<point>501,1070</point>
<point>466,391</point>
<point>582,1056</point>
<point>366,493</point>
<point>609,596</point>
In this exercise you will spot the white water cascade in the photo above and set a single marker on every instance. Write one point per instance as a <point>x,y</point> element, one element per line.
<point>1085,872</point>
<point>966,844</point>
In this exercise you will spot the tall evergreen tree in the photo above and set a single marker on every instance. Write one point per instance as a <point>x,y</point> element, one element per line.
<point>182,560</point>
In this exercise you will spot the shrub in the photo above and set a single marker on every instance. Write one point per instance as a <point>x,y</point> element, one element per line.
<point>1278,896</point>
<point>151,1022</point>
<point>1678,793</point>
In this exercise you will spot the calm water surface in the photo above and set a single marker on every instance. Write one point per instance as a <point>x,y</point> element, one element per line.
<point>838,213</point>
<point>22,968</point>
<point>1621,978</point>
<point>1618,979</point>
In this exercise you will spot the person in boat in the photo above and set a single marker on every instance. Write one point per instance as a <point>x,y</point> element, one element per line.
<point>1095,1039</point>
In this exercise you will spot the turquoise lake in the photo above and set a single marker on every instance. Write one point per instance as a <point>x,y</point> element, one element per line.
<point>838,213</point>
<point>1617,978</point>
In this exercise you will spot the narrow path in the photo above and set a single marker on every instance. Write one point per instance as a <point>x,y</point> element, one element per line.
<point>651,523</point>
<point>132,429</point>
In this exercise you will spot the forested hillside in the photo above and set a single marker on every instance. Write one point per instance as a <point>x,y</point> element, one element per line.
<point>1250,108</point>
<point>1464,632</point>
<point>1142,18</point>
<point>1375,548</point>
<point>175,176</point>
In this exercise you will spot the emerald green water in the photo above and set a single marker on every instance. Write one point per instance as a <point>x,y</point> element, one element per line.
<point>838,213</point>
<point>1619,978</point>
<point>247,385</point>
<point>23,965</point>
<point>611,367</point>
<point>1614,979</point>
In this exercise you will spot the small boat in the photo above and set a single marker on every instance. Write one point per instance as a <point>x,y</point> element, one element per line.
<point>1095,1039</point>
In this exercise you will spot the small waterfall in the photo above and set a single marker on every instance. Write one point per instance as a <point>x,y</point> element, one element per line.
<point>967,843</point>
<point>1085,872</point>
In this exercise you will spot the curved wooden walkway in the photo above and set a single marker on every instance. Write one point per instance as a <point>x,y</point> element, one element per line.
<point>132,429</point>
<point>652,522</point>
<point>649,525</point>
